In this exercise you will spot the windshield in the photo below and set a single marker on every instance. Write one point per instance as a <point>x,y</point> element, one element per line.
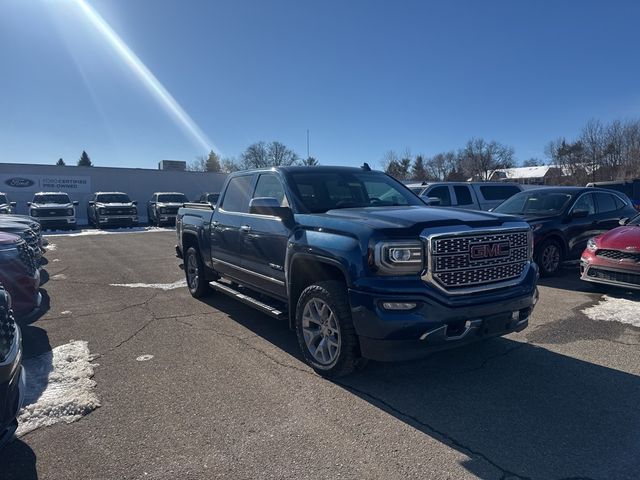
<point>113,198</point>
<point>52,198</point>
<point>320,192</point>
<point>535,203</point>
<point>3,199</point>
<point>172,198</point>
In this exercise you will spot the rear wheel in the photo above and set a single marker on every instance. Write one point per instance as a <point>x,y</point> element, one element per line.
<point>325,330</point>
<point>549,257</point>
<point>195,275</point>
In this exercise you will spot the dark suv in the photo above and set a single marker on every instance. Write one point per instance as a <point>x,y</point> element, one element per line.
<point>163,207</point>
<point>112,209</point>
<point>563,219</point>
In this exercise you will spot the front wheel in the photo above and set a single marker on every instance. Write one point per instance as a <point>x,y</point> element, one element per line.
<point>325,330</point>
<point>194,273</point>
<point>549,258</point>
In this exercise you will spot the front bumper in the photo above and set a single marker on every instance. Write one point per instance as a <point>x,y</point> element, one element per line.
<point>596,270</point>
<point>392,335</point>
<point>56,222</point>
<point>12,389</point>
<point>118,220</point>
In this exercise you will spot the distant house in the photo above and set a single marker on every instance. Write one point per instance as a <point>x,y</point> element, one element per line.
<point>541,175</point>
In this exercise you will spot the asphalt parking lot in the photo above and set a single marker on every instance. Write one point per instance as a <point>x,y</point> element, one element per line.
<point>226,394</point>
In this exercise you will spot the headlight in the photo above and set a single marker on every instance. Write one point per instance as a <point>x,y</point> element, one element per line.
<point>399,258</point>
<point>33,212</point>
<point>102,211</point>
<point>592,245</point>
<point>4,210</point>
<point>70,211</point>
<point>134,211</point>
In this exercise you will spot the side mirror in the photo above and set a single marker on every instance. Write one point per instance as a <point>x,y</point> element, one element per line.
<point>92,203</point>
<point>13,204</point>
<point>135,202</point>
<point>28,204</point>
<point>151,202</point>
<point>269,206</point>
<point>579,213</point>
<point>76,203</point>
<point>623,221</point>
<point>432,201</point>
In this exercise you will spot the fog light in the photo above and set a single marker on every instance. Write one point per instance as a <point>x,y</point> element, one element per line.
<point>398,305</point>
<point>515,315</point>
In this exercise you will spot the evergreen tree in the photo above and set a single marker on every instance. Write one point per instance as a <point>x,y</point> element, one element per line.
<point>60,162</point>
<point>213,162</point>
<point>84,161</point>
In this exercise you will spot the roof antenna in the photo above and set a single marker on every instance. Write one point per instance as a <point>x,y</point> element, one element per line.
<point>365,166</point>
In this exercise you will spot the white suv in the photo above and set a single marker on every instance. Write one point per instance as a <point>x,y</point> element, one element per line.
<point>53,210</point>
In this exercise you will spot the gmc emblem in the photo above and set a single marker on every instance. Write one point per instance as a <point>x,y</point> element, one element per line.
<point>482,251</point>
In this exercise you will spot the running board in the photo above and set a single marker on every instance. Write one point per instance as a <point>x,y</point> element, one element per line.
<point>247,300</point>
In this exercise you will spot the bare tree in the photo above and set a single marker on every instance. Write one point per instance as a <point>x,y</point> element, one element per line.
<point>274,154</point>
<point>442,165</point>
<point>479,158</point>
<point>198,165</point>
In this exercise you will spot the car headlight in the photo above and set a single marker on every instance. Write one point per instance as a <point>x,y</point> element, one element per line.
<point>134,211</point>
<point>592,245</point>
<point>399,258</point>
<point>4,210</point>
<point>102,211</point>
<point>33,212</point>
<point>69,211</point>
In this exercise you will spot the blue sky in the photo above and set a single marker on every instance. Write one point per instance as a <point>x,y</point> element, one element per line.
<point>363,76</point>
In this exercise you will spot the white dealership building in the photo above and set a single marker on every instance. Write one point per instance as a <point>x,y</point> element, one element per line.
<point>21,181</point>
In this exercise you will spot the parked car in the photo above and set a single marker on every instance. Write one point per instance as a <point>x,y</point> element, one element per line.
<point>211,198</point>
<point>24,231</point>
<point>613,258</point>
<point>341,253</point>
<point>106,209</point>
<point>30,222</point>
<point>19,273</point>
<point>53,210</point>
<point>469,195</point>
<point>163,207</point>
<point>5,205</point>
<point>564,218</point>
<point>630,188</point>
<point>12,378</point>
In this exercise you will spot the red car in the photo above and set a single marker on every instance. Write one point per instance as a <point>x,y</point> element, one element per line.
<point>614,257</point>
<point>19,273</point>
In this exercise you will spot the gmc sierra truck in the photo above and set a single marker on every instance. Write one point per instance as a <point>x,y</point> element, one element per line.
<point>358,265</point>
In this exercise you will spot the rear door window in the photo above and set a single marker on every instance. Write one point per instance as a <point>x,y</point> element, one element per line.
<point>606,202</point>
<point>463,195</point>
<point>441,192</point>
<point>498,192</point>
<point>236,198</point>
<point>585,202</point>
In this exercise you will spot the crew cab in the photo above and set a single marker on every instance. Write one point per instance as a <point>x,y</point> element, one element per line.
<point>211,198</point>
<point>357,264</point>
<point>468,195</point>
<point>53,210</point>
<point>112,209</point>
<point>5,205</point>
<point>163,207</point>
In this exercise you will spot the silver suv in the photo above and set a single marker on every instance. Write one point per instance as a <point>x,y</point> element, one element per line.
<point>53,210</point>
<point>469,195</point>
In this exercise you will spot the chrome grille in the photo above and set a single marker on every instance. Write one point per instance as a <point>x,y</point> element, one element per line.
<point>27,257</point>
<point>7,330</point>
<point>465,261</point>
<point>619,255</point>
<point>119,211</point>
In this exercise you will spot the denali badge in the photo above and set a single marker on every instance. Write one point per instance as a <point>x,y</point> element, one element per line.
<point>481,251</point>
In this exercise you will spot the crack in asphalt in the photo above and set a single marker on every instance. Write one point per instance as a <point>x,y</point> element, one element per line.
<point>489,359</point>
<point>118,310</point>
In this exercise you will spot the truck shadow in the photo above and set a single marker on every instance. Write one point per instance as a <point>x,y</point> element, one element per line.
<point>513,408</point>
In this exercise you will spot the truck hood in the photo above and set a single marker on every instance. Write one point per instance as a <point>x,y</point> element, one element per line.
<point>621,238</point>
<point>411,216</point>
<point>51,205</point>
<point>13,227</point>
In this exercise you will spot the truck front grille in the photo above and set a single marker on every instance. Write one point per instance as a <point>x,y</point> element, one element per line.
<point>120,211</point>
<point>467,261</point>
<point>27,257</point>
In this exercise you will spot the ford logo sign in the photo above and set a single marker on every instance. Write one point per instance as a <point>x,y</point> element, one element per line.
<point>19,182</point>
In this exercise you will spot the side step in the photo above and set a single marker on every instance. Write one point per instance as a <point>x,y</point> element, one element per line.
<point>247,300</point>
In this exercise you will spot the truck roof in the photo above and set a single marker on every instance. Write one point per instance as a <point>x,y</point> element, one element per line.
<point>303,169</point>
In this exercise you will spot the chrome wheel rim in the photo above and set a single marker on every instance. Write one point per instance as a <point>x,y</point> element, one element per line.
<point>551,258</point>
<point>321,331</point>
<point>192,272</point>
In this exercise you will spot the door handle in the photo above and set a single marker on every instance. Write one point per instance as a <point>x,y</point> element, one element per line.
<point>245,228</point>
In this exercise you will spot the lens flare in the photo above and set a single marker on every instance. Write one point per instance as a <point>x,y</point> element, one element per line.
<point>148,79</point>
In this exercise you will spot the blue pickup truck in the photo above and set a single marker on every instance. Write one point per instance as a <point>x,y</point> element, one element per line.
<point>358,265</point>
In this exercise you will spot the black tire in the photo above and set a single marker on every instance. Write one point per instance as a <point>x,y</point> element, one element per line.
<point>549,257</point>
<point>333,294</point>
<point>198,285</point>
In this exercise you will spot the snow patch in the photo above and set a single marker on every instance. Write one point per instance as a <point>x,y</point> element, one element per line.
<point>56,260</point>
<point>60,276</point>
<point>59,387</point>
<point>66,312</point>
<point>144,358</point>
<point>51,247</point>
<point>113,231</point>
<point>612,309</point>
<point>159,286</point>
